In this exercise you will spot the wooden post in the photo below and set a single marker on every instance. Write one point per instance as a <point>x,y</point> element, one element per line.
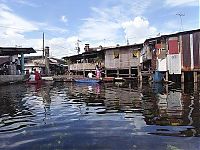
<point>22,64</point>
<point>167,76</point>
<point>182,77</point>
<point>47,71</point>
<point>130,72</point>
<point>106,73</point>
<point>139,74</point>
<point>118,73</point>
<point>84,73</point>
<point>195,77</point>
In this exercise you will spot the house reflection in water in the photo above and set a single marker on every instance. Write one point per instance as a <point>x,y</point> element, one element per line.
<point>175,107</point>
<point>123,98</point>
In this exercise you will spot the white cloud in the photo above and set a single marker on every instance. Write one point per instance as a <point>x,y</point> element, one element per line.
<point>174,3</point>
<point>103,27</point>
<point>114,24</point>
<point>55,29</point>
<point>12,23</point>
<point>138,30</point>
<point>136,7</point>
<point>13,28</point>
<point>22,2</point>
<point>26,2</point>
<point>64,19</point>
<point>61,47</point>
<point>99,30</point>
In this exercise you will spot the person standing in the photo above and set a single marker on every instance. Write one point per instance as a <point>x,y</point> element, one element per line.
<point>31,77</point>
<point>37,75</point>
<point>98,72</point>
<point>90,74</point>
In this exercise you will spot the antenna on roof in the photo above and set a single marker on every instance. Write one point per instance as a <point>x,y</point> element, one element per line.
<point>78,47</point>
<point>181,15</point>
<point>127,41</point>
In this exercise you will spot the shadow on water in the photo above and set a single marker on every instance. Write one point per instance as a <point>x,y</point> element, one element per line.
<point>94,116</point>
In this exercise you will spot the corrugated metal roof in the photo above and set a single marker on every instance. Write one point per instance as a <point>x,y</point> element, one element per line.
<point>173,34</point>
<point>15,51</point>
<point>125,46</point>
<point>4,59</point>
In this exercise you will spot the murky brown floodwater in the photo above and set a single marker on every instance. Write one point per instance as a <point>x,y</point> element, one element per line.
<point>100,116</point>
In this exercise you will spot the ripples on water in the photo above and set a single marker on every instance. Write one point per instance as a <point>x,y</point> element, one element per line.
<point>99,116</point>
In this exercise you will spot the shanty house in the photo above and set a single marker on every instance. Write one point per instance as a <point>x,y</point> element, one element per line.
<point>57,66</point>
<point>177,55</point>
<point>122,61</point>
<point>83,63</point>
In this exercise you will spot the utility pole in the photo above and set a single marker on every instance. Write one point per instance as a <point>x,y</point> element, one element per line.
<point>181,15</point>
<point>47,71</point>
<point>43,47</point>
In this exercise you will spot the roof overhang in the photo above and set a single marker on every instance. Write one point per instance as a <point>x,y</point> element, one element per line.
<point>10,51</point>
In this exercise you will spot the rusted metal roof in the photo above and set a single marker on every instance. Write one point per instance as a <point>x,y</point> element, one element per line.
<point>171,35</point>
<point>125,47</point>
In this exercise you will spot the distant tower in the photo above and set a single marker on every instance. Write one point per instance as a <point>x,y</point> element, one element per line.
<point>78,47</point>
<point>181,15</point>
<point>127,41</point>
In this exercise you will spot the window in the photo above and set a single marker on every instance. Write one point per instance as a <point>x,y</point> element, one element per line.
<point>116,55</point>
<point>135,54</point>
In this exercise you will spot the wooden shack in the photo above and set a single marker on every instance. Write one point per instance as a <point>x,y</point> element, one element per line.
<point>176,55</point>
<point>123,61</point>
<point>83,63</point>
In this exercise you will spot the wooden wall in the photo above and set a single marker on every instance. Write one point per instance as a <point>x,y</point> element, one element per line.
<point>124,61</point>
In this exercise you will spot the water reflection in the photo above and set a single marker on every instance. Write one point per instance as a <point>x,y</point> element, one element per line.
<point>176,108</point>
<point>94,112</point>
<point>13,114</point>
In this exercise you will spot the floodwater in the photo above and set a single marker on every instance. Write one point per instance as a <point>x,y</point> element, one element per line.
<point>100,116</point>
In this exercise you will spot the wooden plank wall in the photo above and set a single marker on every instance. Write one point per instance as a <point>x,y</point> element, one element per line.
<point>125,60</point>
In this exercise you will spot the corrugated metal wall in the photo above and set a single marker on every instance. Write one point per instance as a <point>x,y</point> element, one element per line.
<point>191,51</point>
<point>154,60</point>
<point>196,50</point>
<point>174,63</point>
<point>162,64</point>
<point>186,52</point>
<point>173,45</point>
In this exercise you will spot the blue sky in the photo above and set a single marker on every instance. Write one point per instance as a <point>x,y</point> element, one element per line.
<point>97,22</point>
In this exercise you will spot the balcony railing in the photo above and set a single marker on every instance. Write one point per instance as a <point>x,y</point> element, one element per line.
<point>82,66</point>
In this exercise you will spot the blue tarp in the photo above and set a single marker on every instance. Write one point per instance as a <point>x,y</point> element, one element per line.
<point>158,76</point>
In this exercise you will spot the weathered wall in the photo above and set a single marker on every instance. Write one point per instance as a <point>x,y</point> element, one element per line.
<point>186,52</point>
<point>82,66</point>
<point>191,51</point>
<point>125,60</point>
<point>196,49</point>
<point>174,63</point>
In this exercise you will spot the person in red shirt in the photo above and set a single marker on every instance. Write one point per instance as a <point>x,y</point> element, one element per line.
<point>37,75</point>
